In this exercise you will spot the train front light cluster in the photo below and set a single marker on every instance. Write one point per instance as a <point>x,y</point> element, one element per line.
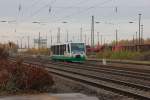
<point>81,54</point>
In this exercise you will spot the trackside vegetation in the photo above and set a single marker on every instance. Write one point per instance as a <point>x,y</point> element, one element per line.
<point>15,77</point>
<point>118,55</point>
<point>42,51</point>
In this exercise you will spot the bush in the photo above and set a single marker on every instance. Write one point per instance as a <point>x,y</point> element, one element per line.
<point>3,53</point>
<point>145,56</point>
<point>15,77</point>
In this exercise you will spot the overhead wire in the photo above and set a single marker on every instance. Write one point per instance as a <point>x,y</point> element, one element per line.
<point>40,9</point>
<point>68,8</point>
<point>78,3</point>
<point>34,3</point>
<point>50,7</point>
<point>82,2</point>
<point>19,10</point>
<point>53,1</point>
<point>85,10</point>
<point>47,5</point>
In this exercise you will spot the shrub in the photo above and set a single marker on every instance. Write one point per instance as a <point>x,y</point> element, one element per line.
<point>17,77</point>
<point>145,56</point>
<point>3,53</point>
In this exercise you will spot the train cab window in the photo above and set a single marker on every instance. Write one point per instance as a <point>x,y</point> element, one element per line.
<point>77,47</point>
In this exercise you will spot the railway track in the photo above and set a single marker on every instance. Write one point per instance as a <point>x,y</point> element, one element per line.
<point>122,62</point>
<point>95,75</point>
<point>113,71</point>
<point>91,77</point>
<point>123,65</point>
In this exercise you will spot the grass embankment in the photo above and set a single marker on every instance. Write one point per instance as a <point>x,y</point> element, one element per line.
<point>123,55</point>
<point>18,78</point>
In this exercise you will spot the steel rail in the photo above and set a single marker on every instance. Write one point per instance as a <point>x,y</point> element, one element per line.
<point>109,71</point>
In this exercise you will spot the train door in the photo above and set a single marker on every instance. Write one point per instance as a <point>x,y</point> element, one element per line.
<point>69,49</point>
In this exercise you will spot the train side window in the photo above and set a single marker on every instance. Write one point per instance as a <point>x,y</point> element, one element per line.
<point>52,49</point>
<point>61,50</point>
<point>68,48</point>
<point>60,53</point>
<point>55,50</point>
<point>64,47</point>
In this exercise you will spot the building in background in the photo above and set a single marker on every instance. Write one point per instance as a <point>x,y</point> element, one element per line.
<point>40,43</point>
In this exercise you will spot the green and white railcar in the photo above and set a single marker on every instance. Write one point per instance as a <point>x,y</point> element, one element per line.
<point>72,52</point>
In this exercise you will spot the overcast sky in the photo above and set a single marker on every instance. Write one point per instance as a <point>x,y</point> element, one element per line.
<point>77,13</point>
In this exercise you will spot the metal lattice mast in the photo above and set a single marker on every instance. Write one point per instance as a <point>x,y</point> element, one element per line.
<point>92,32</point>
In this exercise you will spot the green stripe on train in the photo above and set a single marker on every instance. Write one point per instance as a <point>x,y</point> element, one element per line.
<point>73,59</point>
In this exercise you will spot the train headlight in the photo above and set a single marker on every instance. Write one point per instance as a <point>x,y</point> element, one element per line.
<point>82,53</point>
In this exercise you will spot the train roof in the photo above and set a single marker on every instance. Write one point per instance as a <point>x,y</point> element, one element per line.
<point>66,43</point>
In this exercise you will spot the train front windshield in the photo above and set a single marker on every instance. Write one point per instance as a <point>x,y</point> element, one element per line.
<point>77,47</point>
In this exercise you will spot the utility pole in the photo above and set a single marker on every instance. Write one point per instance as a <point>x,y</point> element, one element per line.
<point>116,37</point>
<point>67,36</point>
<point>58,35</point>
<point>104,41</point>
<point>85,39</point>
<point>133,40</point>
<point>34,43</point>
<point>39,42</point>
<point>25,46</point>
<point>92,32</point>
<point>81,34</point>
<point>136,38</point>
<point>98,38</point>
<point>28,42</point>
<point>140,29</point>
<point>17,44</point>
<point>101,40</point>
<point>21,42</point>
<point>142,39</point>
<point>51,38</point>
